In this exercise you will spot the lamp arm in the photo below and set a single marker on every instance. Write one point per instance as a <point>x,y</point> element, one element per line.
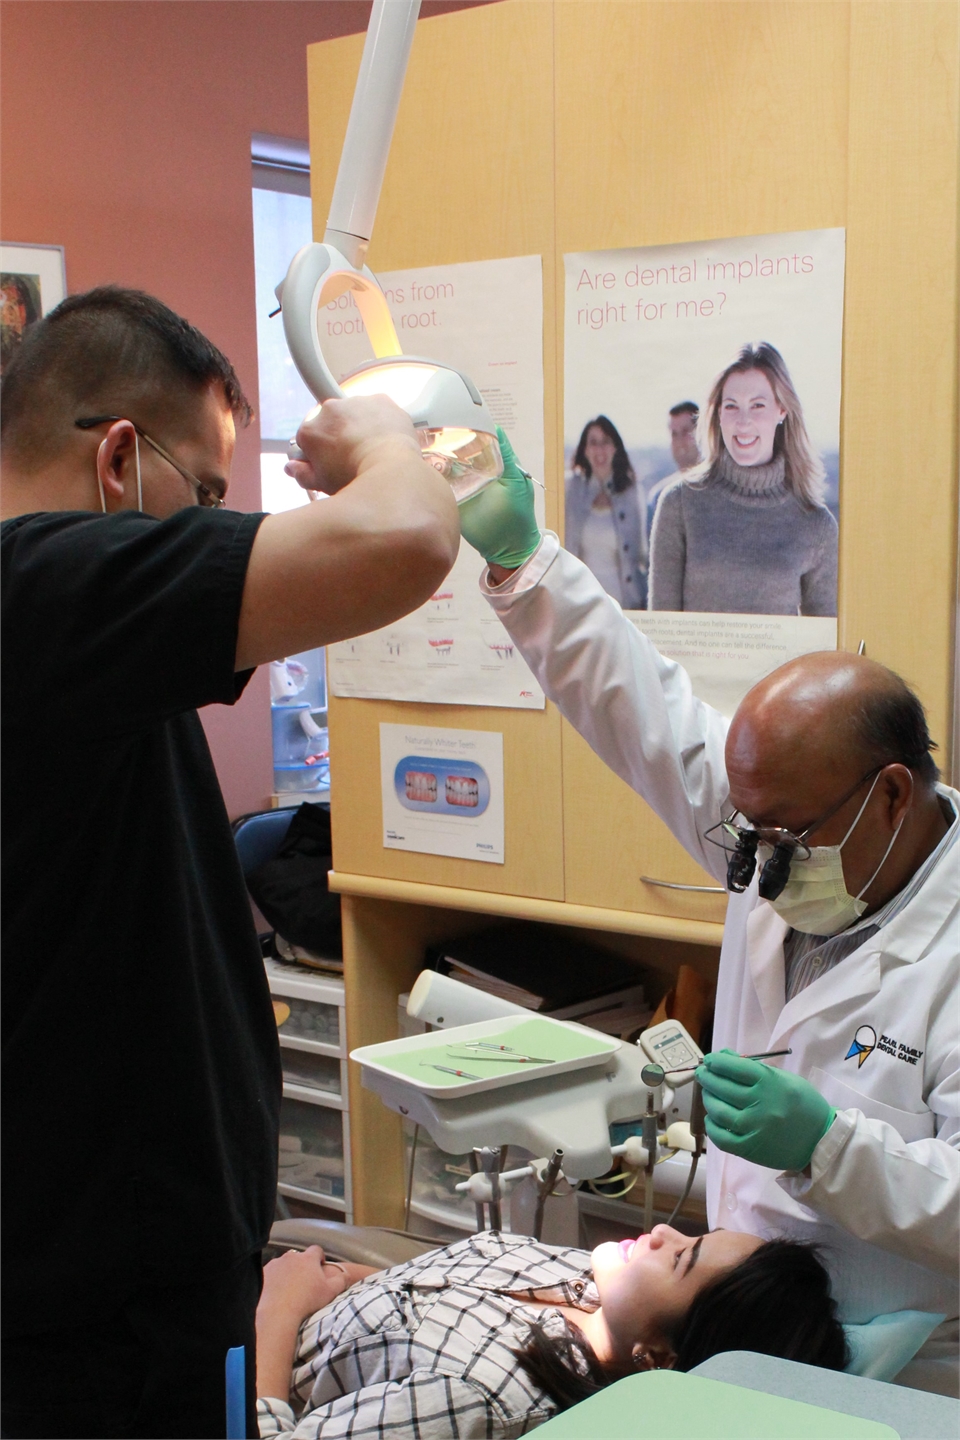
<point>373,115</point>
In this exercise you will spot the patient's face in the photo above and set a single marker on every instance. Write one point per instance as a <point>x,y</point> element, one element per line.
<point>646,1286</point>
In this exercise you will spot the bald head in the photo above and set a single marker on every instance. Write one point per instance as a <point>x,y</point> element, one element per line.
<point>818,723</point>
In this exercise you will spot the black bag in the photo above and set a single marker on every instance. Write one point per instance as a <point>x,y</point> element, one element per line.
<point>291,889</point>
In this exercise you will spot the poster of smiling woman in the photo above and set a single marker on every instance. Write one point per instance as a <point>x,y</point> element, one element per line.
<point>702,438</point>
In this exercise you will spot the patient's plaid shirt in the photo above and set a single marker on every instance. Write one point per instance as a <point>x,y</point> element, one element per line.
<point>423,1351</point>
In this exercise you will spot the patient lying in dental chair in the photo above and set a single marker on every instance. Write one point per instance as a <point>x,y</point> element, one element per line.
<point>497,1333</point>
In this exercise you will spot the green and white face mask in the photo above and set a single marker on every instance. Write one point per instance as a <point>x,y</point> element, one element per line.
<point>815,899</point>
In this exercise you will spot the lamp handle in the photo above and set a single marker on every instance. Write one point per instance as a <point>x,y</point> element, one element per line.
<point>299,297</point>
<point>317,275</point>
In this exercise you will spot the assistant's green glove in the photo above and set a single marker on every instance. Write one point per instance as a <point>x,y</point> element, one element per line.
<point>761,1114</point>
<point>500,522</point>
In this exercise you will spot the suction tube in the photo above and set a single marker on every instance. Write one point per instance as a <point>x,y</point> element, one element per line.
<point>373,115</point>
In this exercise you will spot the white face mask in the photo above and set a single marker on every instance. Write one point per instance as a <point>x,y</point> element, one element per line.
<point>103,498</point>
<point>815,899</point>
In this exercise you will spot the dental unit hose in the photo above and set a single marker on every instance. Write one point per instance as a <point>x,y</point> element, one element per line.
<point>651,1076</point>
<point>545,1190</point>
<point>699,1133</point>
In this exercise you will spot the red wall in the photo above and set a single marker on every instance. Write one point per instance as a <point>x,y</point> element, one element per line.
<point>126,139</point>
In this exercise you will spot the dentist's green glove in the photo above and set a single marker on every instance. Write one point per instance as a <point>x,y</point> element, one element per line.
<point>500,522</point>
<point>761,1114</point>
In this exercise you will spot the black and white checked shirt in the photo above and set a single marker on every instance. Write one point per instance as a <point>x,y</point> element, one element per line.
<point>423,1350</point>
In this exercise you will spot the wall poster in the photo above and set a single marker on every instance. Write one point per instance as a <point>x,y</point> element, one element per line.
<point>702,439</point>
<point>442,791</point>
<point>486,318</point>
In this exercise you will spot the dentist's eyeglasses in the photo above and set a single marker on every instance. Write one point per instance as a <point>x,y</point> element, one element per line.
<point>784,845</point>
<point>205,495</point>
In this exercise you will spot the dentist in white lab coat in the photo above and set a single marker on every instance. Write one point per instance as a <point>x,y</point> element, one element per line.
<point>851,1141</point>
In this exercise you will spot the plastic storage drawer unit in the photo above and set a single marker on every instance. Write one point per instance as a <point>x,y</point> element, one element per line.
<point>314,1121</point>
<point>311,1149</point>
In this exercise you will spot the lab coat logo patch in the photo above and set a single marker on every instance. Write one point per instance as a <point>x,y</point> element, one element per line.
<point>864,1043</point>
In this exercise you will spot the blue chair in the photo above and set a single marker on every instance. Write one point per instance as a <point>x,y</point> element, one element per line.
<point>259,835</point>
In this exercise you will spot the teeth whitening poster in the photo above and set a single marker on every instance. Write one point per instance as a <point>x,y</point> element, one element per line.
<point>486,318</point>
<point>442,791</point>
<point>702,387</point>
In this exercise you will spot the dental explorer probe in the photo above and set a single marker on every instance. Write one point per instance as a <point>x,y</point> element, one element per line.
<point>448,1070</point>
<point>507,1049</point>
<point>505,1059</point>
<point>764,1055</point>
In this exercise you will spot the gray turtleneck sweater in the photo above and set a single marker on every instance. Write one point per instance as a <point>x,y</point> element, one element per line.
<point>739,541</point>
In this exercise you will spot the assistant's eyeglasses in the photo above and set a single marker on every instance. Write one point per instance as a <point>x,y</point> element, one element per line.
<point>205,495</point>
<point>784,844</point>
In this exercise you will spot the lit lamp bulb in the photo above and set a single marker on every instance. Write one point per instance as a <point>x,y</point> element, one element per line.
<point>457,433</point>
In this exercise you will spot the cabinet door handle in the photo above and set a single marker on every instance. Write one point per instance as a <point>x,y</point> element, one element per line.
<point>675,885</point>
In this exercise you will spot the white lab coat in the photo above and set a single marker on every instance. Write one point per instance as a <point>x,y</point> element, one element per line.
<point>883,1199</point>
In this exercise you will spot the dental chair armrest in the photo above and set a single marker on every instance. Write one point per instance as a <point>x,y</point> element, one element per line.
<point>362,1244</point>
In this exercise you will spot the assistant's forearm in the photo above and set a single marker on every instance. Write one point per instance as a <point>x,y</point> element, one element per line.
<point>350,564</point>
<point>901,1197</point>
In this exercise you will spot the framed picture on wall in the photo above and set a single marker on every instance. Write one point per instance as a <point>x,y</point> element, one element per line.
<point>33,279</point>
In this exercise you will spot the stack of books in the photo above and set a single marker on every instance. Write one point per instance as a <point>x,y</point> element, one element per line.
<point>544,969</point>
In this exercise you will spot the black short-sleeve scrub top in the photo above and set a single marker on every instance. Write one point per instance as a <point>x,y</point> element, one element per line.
<point>141,1075</point>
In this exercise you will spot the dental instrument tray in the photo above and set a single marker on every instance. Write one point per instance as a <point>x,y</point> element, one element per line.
<point>467,1059</point>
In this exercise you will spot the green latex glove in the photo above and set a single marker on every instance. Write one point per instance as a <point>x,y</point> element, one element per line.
<point>500,522</point>
<point>761,1114</point>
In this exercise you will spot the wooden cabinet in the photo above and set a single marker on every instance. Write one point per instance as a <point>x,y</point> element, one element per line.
<point>529,126</point>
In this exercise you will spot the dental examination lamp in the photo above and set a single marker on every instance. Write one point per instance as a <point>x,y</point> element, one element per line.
<point>456,431</point>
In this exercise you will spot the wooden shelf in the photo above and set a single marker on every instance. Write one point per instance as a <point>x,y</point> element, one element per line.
<point>523,907</point>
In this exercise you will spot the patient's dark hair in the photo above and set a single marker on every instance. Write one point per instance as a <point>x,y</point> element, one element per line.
<point>776,1302</point>
<point>108,351</point>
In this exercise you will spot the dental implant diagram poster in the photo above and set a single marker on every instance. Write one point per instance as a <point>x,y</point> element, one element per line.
<point>702,445</point>
<point>485,318</point>
<point>442,791</point>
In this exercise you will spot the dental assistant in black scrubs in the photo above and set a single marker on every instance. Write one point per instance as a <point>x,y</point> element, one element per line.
<point>141,1072</point>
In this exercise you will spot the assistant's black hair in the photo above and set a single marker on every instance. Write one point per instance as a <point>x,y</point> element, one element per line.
<point>685,407</point>
<point>891,727</point>
<point>776,1302</point>
<point>108,351</point>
